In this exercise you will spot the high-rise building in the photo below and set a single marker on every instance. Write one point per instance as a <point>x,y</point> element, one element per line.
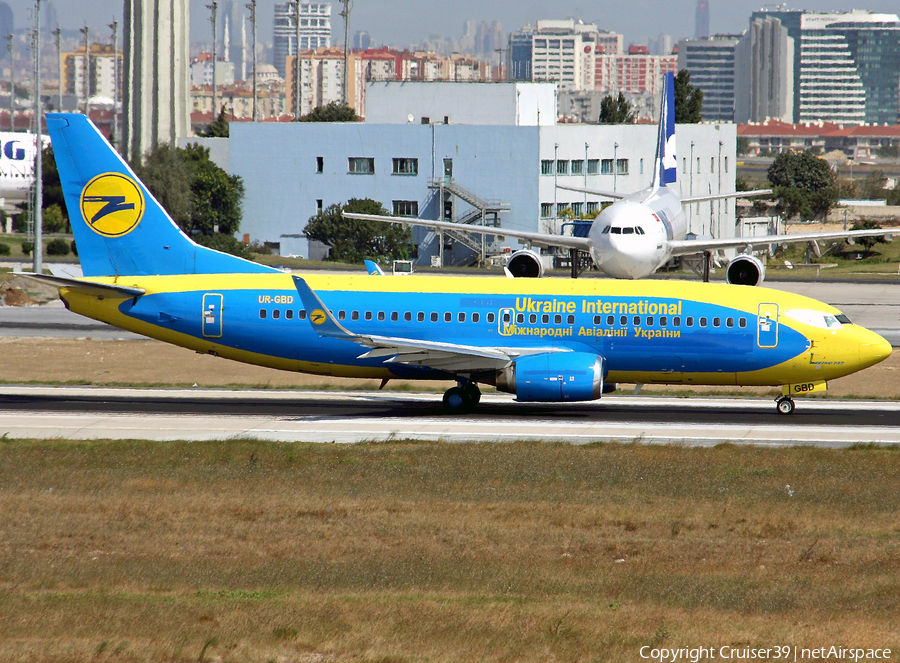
<point>710,62</point>
<point>315,30</point>
<point>701,19</point>
<point>362,41</point>
<point>156,91</point>
<point>845,65</point>
<point>232,37</point>
<point>764,73</point>
<point>635,72</point>
<point>102,68</point>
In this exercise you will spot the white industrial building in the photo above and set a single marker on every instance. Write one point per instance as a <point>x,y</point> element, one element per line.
<point>473,152</point>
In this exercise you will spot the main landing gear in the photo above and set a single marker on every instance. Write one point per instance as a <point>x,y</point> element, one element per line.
<point>785,405</point>
<point>462,398</point>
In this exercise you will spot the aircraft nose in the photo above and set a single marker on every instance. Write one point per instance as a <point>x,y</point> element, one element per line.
<point>874,349</point>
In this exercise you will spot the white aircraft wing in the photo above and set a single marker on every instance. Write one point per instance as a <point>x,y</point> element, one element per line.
<point>450,357</point>
<point>539,239</point>
<point>688,246</point>
<point>726,196</point>
<point>593,192</point>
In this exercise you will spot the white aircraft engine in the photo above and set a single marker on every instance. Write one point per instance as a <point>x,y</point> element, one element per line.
<point>526,264</point>
<point>745,270</point>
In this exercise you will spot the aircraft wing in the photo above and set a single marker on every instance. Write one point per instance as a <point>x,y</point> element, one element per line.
<point>450,357</point>
<point>539,239</point>
<point>593,192</point>
<point>726,196</point>
<point>688,246</point>
<point>87,287</point>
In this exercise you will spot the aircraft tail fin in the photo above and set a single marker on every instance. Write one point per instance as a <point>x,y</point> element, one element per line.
<point>119,227</point>
<point>666,165</point>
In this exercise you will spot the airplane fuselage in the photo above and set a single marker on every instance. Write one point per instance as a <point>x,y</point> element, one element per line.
<point>629,239</point>
<point>662,332</point>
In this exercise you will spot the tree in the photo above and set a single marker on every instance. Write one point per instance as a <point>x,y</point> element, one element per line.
<point>688,100</point>
<point>218,128</point>
<point>52,189</point>
<point>866,242</point>
<point>332,112</point>
<point>804,184</point>
<point>616,110</point>
<point>872,186</point>
<point>743,146</point>
<point>165,173</point>
<point>216,195</point>
<point>352,240</point>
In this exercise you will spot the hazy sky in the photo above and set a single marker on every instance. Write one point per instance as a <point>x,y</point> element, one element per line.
<point>401,22</point>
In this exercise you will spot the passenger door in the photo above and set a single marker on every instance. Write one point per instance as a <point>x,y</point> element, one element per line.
<point>212,315</point>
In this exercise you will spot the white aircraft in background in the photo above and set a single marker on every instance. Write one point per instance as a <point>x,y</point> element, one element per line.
<point>641,232</point>
<point>16,168</point>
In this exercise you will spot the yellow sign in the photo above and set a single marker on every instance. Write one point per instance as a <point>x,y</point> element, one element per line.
<point>112,204</point>
<point>317,317</point>
<point>804,388</point>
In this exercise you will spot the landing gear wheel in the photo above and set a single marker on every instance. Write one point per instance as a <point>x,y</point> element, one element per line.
<point>455,400</point>
<point>472,394</point>
<point>785,405</point>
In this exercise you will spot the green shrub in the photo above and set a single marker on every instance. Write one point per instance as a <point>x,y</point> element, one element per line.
<point>57,247</point>
<point>5,250</point>
<point>27,247</point>
<point>74,248</point>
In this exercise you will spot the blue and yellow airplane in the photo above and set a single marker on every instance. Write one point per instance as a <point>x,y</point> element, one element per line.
<point>542,340</point>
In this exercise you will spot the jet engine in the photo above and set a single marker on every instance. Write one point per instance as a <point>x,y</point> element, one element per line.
<point>745,270</point>
<point>554,377</point>
<point>526,264</point>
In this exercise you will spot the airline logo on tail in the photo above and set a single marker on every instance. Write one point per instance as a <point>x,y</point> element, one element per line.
<point>112,204</point>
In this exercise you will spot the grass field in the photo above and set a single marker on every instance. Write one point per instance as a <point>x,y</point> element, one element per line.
<point>246,551</point>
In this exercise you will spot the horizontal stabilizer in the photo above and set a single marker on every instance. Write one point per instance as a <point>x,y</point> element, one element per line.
<point>87,287</point>
<point>726,196</point>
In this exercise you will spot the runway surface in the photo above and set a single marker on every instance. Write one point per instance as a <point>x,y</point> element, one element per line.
<point>350,417</point>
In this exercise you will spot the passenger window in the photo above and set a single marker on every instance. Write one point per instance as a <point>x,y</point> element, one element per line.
<point>729,322</point>
<point>742,322</point>
<point>342,315</point>
<point>690,321</point>
<point>394,316</point>
<point>623,320</point>
<point>461,317</point>
<point>262,313</point>
<point>289,314</point>
<point>532,318</point>
<point>407,316</point>
<point>420,316</point>
<point>610,320</point>
<point>650,321</point>
<point>557,319</point>
<point>491,317</point>
<point>368,315</point>
<point>520,318</point>
<point>596,319</point>
<point>545,319</point>
<point>448,316</point>
<point>506,317</point>
<point>276,314</point>
<point>702,322</point>
<point>301,314</point>
<point>380,315</point>
<point>354,315</point>
<point>663,321</point>
<point>676,321</point>
<point>717,322</point>
<point>570,320</point>
<point>476,317</point>
<point>637,321</point>
<point>434,317</point>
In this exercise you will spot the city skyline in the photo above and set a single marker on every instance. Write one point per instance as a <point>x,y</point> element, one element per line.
<point>639,21</point>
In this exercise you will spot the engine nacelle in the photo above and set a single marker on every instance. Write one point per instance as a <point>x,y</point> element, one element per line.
<point>745,270</point>
<point>554,377</point>
<point>527,264</point>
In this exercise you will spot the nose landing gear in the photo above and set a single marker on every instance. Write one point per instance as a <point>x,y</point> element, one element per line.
<point>462,398</point>
<point>785,405</point>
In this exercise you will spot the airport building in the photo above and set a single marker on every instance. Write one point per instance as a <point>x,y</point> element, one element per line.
<point>480,153</point>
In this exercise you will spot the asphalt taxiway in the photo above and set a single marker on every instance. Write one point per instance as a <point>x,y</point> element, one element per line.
<point>350,417</point>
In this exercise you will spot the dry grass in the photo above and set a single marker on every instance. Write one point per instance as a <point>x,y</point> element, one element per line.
<point>245,551</point>
<point>153,363</point>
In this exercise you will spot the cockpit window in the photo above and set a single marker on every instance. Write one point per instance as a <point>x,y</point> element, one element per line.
<point>615,230</point>
<point>639,230</point>
<point>627,231</point>
<point>843,319</point>
<point>606,230</point>
<point>818,319</point>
